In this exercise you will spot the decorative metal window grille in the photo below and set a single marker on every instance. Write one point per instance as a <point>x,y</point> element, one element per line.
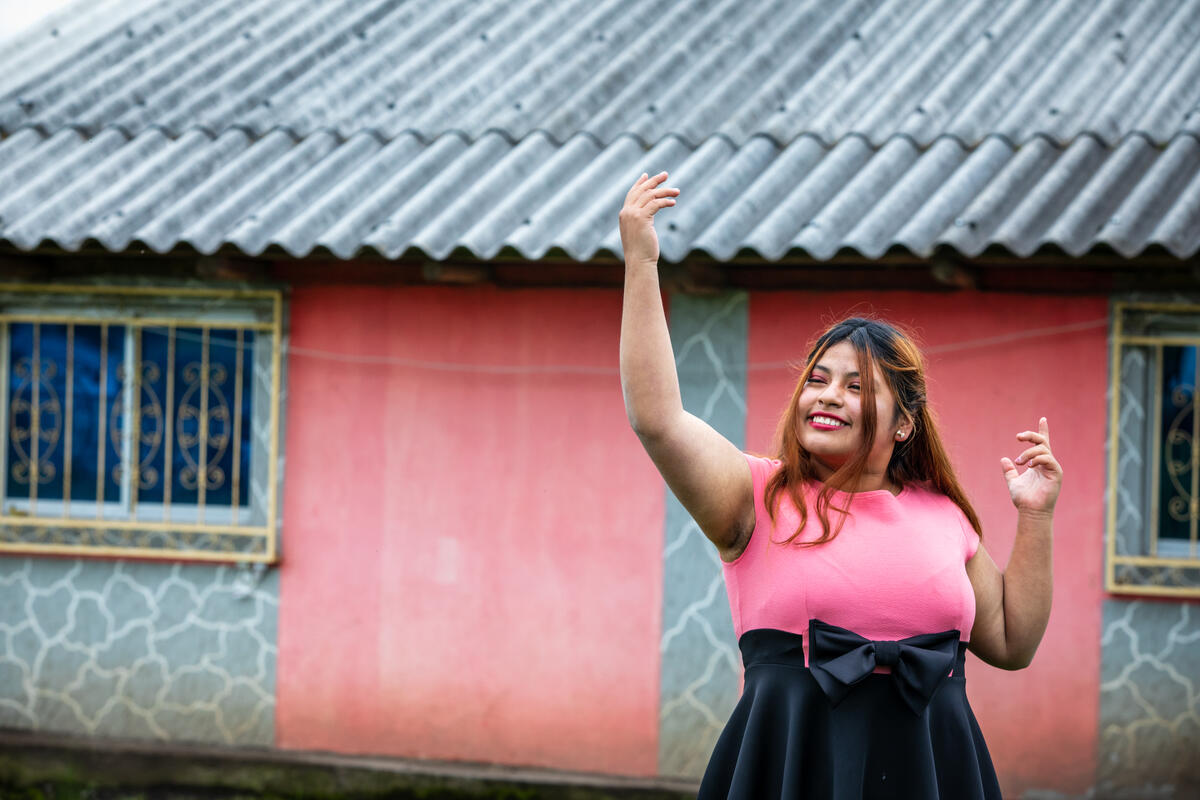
<point>1154,459</point>
<point>140,421</point>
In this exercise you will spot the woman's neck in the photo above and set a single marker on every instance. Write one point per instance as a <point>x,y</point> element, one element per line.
<point>867,482</point>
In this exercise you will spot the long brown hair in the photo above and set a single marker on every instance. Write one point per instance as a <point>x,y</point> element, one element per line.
<point>918,457</point>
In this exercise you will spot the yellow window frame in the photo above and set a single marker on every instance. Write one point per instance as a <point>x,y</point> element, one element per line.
<point>70,534</point>
<point>1122,571</point>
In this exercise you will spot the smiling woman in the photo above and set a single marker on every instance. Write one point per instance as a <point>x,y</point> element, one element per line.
<point>858,434</point>
<point>853,620</point>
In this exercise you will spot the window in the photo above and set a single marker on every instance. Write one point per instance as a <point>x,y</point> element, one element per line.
<point>1154,466</point>
<point>140,421</point>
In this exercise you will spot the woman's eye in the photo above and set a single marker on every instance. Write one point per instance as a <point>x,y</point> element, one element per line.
<point>854,386</point>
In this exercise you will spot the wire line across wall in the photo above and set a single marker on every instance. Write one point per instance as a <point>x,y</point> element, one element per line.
<point>579,369</point>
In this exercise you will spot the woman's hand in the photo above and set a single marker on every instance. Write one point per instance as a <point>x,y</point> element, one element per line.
<point>638,239</point>
<point>1035,489</point>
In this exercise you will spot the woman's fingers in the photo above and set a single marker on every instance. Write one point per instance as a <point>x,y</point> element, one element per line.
<point>1040,436</point>
<point>648,194</point>
<point>644,184</point>
<point>658,194</point>
<point>1040,439</point>
<point>652,190</point>
<point>1042,460</point>
<point>636,219</point>
<point>633,190</point>
<point>644,180</point>
<point>659,202</point>
<point>1008,468</point>
<point>1047,463</point>
<point>1031,452</point>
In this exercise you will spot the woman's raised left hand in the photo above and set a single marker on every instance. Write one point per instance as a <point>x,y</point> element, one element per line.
<point>1035,489</point>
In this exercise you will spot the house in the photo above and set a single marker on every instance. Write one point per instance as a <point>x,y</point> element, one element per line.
<point>322,300</point>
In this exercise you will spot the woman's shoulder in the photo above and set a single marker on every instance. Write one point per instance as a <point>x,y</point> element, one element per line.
<point>761,467</point>
<point>765,463</point>
<point>761,470</point>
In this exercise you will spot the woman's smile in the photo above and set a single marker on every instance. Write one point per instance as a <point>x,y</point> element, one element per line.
<point>826,422</point>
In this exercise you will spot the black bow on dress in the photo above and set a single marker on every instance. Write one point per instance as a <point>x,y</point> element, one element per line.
<point>839,658</point>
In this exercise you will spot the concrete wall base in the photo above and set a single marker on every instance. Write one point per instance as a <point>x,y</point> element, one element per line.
<point>35,765</point>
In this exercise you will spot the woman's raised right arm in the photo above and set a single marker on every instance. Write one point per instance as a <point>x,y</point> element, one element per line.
<point>705,470</point>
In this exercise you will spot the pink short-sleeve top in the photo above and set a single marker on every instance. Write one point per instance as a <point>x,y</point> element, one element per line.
<point>896,569</point>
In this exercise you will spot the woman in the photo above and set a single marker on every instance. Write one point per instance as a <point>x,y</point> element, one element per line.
<point>853,561</point>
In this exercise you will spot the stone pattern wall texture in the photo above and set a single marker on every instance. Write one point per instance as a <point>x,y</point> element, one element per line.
<point>1150,648</point>
<point>1150,699</point>
<point>135,649</point>
<point>701,665</point>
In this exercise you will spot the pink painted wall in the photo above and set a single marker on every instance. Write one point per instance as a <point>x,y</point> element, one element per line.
<point>1040,723</point>
<point>471,561</point>
<point>521,626</point>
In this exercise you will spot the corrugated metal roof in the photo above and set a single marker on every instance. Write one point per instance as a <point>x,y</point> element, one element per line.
<point>791,127</point>
<point>531,198</point>
<point>688,68</point>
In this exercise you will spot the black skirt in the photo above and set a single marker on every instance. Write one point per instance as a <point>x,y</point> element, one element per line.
<point>787,739</point>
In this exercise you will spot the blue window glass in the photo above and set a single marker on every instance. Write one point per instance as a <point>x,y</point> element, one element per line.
<point>86,413</point>
<point>174,393</point>
<point>1176,504</point>
<point>187,402</point>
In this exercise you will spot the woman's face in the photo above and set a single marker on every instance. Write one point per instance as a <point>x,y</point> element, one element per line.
<point>830,413</point>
